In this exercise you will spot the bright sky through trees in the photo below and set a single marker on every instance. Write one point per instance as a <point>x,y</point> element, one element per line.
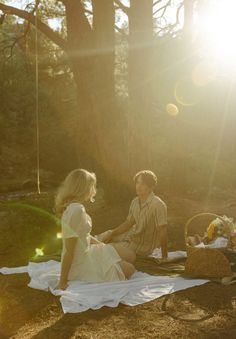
<point>54,23</point>
<point>215,25</point>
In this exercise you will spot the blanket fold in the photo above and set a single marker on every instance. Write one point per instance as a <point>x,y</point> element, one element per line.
<point>81,296</point>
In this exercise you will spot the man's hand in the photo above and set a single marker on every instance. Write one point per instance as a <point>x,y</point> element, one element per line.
<point>164,260</point>
<point>107,237</point>
<point>163,241</point>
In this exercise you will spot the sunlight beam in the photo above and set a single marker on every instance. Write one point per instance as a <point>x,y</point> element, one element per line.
<point>216,25</point>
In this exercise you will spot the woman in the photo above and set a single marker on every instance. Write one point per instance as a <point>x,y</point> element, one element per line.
<point>85,258</point>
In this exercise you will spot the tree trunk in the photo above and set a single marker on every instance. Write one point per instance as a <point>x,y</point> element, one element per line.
<point>92,57</point>
<point>80,51</point>
<point>109,128</point>
<point>188,19</point>
<point>139,81</point>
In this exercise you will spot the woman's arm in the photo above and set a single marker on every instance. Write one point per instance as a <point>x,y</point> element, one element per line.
<point>70,244</point>
<point>94,240</point>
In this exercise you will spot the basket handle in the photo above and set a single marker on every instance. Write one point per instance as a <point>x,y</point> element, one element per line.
<point>195,217</point>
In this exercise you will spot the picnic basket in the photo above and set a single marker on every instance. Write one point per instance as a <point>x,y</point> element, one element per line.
<point>205,262</point>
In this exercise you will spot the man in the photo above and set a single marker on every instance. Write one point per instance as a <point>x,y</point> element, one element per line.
<point>146,225</point>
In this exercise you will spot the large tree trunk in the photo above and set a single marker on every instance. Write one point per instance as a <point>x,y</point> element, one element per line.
<point>111,158</point>
<point>104,83</point>
<point>92,57</point>
<point>81,56</point>
<point>139,81</point>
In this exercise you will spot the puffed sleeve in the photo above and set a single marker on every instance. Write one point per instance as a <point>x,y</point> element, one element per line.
<point>73,220</point>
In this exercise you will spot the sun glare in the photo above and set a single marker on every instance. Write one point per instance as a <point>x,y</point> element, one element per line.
<point>217,26</point>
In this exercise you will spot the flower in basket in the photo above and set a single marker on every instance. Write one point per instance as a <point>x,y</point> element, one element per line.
<point>211,231</point>
<point>220,227</point>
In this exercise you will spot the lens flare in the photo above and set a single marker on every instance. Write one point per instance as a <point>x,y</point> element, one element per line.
<point>31,208</point>
<point>59,235</point>
<point>204,73</point>
<point>186,93</point>
<point>172,109</point>
<point>39,252</point>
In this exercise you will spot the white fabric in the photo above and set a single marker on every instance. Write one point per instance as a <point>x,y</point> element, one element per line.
<point>12,270</point>
<point>91,262</point>
<point>219,242</point>
<point>171,255</point>
<point>81,296</point>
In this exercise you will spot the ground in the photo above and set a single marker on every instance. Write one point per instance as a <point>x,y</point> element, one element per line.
<point>207,311</point>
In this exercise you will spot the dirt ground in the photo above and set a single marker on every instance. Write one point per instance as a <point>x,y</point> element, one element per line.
<point>207,311</point>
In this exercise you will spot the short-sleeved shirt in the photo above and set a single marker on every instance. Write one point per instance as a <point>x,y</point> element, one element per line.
<point>148,218</point>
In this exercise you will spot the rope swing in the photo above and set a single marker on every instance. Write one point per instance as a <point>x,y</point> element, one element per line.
<point>37,100</point>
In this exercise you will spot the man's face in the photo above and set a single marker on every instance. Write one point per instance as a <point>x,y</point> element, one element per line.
<point>141,188</point>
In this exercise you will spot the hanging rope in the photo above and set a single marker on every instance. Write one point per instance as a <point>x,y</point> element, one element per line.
<point>37,99</point>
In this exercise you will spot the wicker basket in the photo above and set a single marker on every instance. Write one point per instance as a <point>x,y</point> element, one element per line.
<point>205,262</point>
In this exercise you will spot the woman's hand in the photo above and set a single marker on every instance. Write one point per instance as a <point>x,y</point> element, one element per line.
<point>62,286</point>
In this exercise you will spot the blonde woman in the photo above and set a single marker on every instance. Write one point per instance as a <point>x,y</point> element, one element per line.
<point>85,258</point>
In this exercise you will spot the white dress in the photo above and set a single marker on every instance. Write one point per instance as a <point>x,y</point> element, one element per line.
<point>91,262</point>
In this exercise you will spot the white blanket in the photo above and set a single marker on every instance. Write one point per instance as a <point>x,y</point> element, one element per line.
<point>81,296</point>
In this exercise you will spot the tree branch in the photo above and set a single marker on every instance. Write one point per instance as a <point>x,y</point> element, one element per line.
<point>45,29</point>
<point>178,12</point>
<point>124,8</point>
<point>120,30</point>
<point>20,37</point>
<point>156,2</point>
<point>88,12</point>
<point>163,8</point>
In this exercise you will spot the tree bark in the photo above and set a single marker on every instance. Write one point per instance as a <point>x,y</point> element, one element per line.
<point>81,57</point>
<point>139,81</point>
<point>109,128</point>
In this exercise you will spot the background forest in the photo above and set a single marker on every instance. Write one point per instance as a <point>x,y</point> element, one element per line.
<point>121,86</point>
<point>115,86</point>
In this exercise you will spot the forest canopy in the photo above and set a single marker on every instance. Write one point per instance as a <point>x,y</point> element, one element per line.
<point>119,86</point>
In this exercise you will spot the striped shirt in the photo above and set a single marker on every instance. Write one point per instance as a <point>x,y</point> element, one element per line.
<point>148,217</point>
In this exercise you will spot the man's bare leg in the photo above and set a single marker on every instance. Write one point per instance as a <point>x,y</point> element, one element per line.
<point>127,268</point>
<point>124,252</point>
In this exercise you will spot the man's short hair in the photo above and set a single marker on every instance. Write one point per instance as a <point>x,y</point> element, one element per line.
<point>148,177</point>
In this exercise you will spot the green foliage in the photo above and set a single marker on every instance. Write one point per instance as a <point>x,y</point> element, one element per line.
<point>57,105</point>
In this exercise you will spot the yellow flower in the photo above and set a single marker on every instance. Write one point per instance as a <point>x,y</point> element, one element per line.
<point>210,231</point>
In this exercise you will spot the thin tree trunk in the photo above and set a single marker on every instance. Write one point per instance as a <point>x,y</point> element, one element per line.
<point>188,18</point>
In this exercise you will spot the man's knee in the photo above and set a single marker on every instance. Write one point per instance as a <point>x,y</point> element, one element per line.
<point>127,268</point>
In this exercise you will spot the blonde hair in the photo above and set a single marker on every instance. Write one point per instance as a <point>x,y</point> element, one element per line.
<point>75,188</point>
